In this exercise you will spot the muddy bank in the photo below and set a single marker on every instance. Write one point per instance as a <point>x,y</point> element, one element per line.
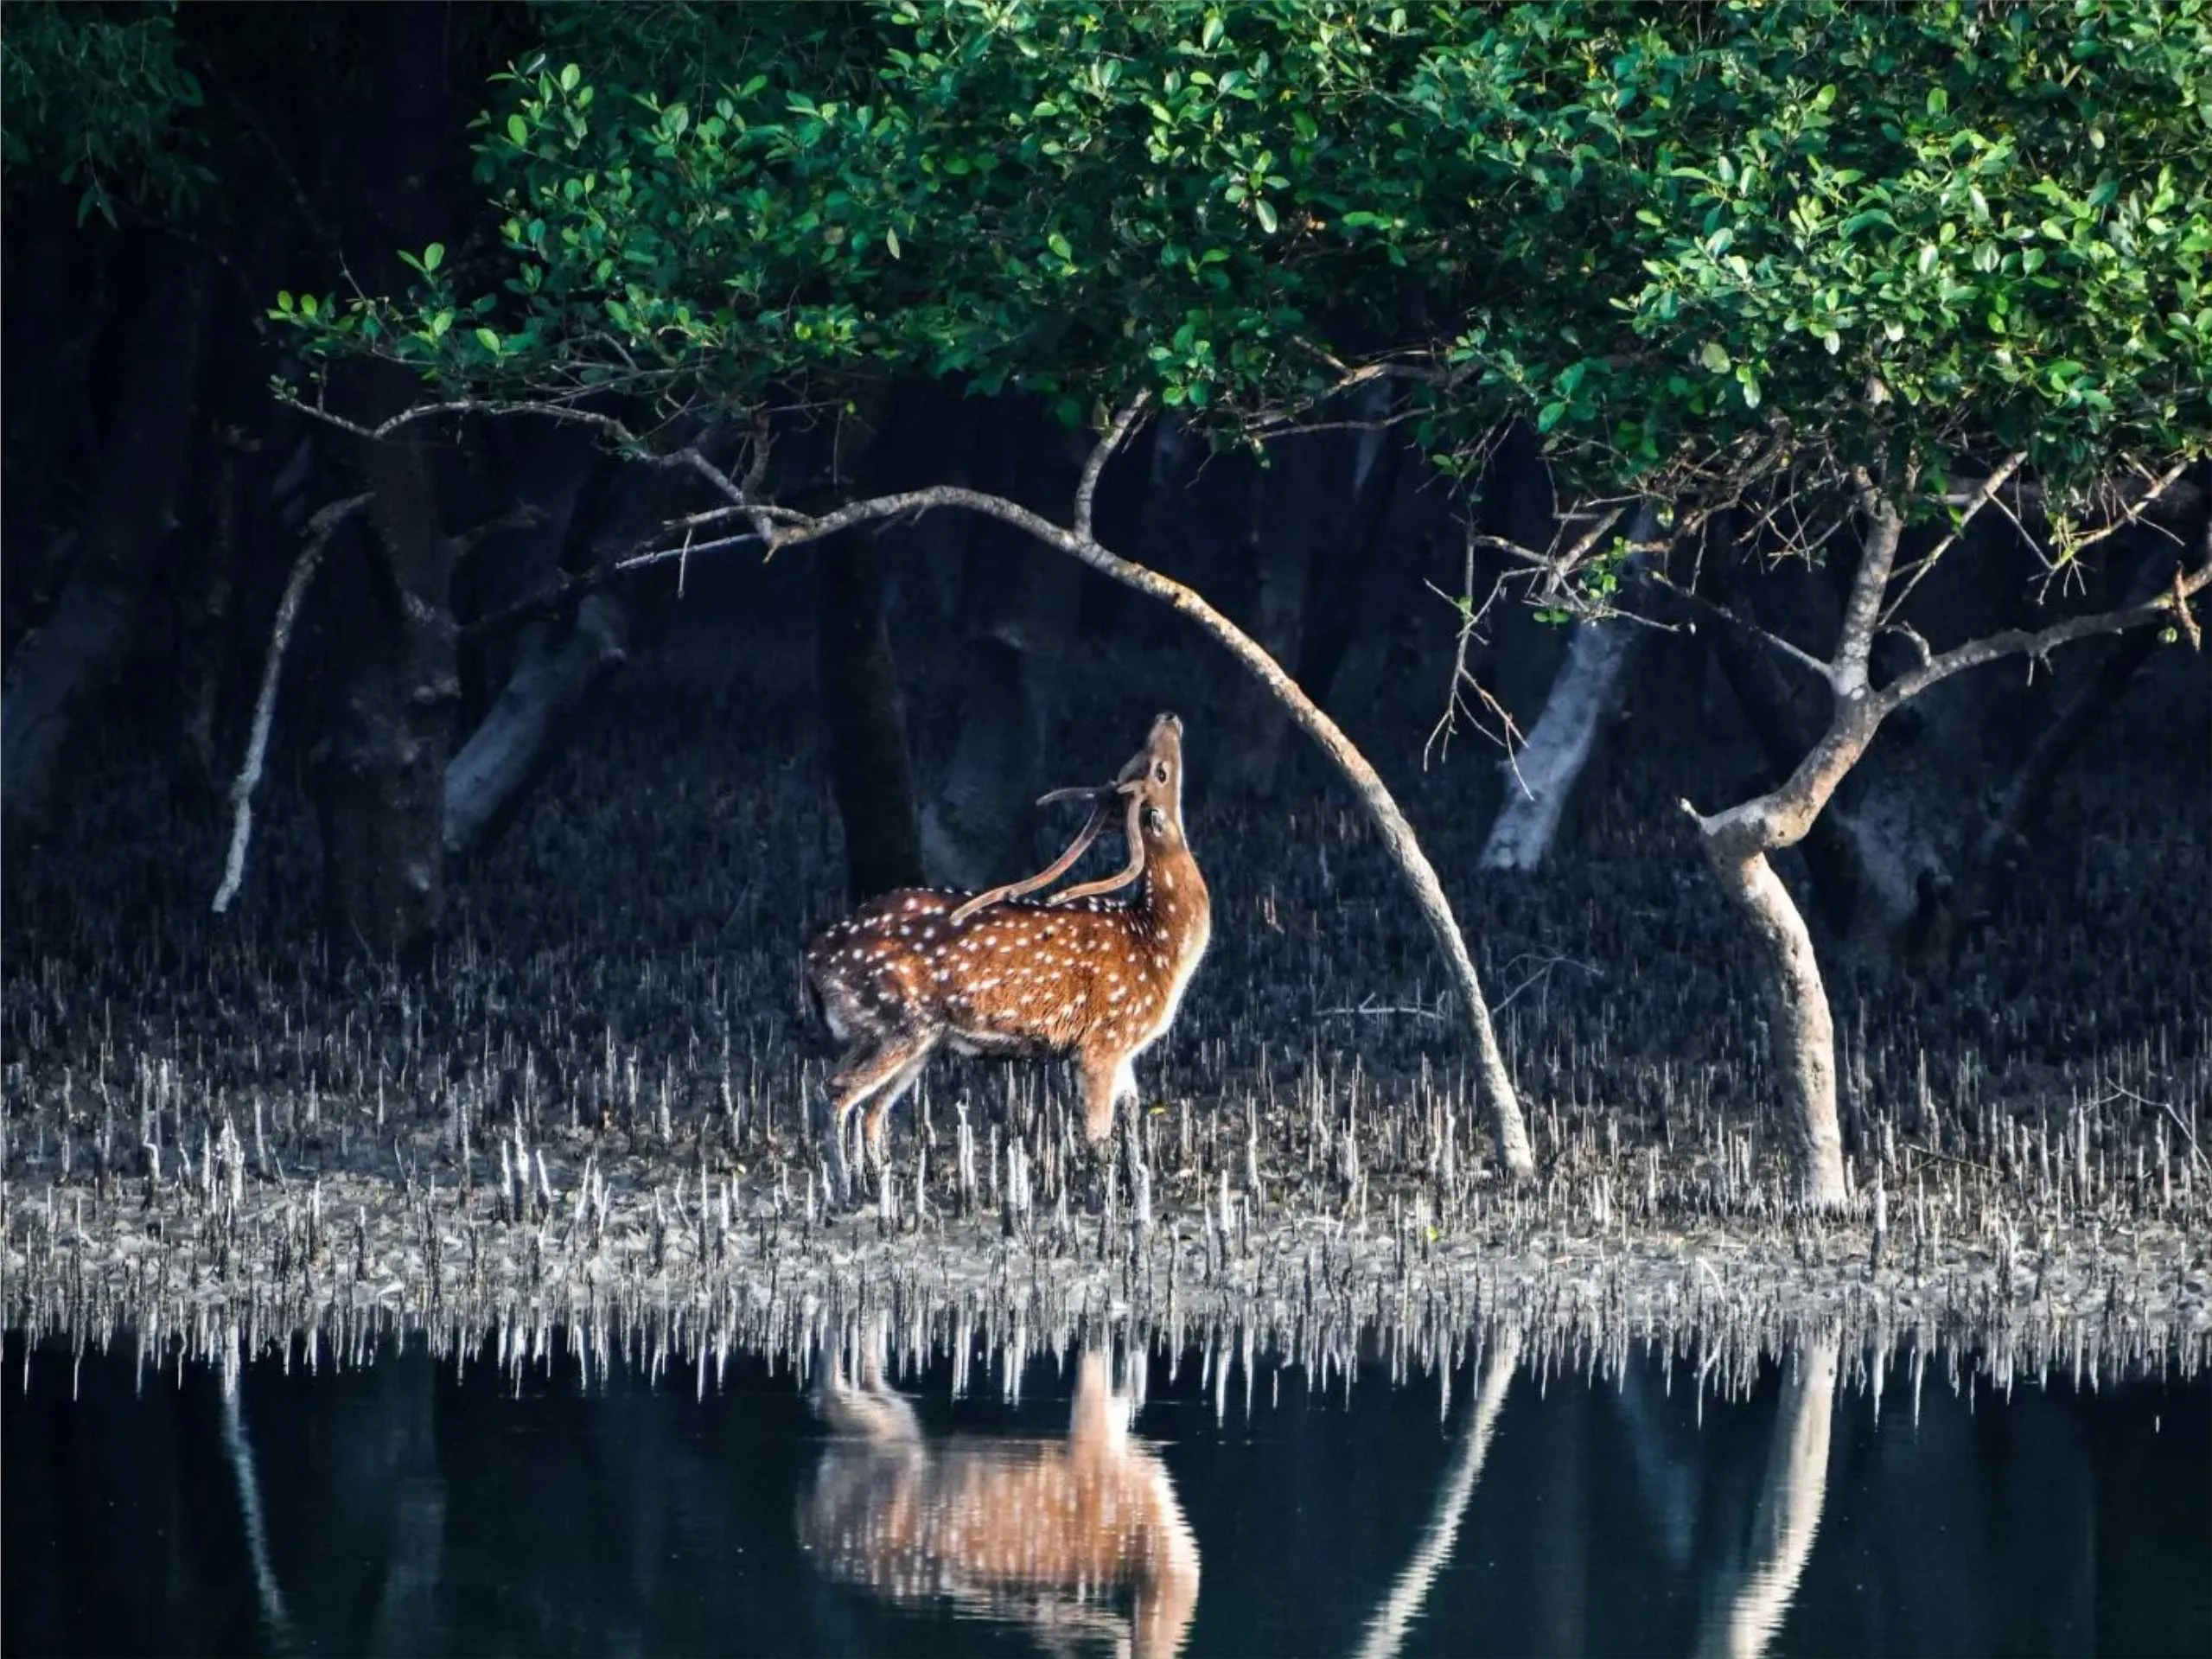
<point>635,1256</point>
<point>601,1104</point>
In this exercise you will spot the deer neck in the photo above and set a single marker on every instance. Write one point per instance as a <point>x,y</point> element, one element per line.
<point>1175,895</point>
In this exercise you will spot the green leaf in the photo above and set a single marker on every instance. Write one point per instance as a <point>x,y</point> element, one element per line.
<point>1265,212</point>
<point>518,131</point>
<point>1714,356</point>
<point>433,256</point>
<point>488,339</point>
<point>891,241</point>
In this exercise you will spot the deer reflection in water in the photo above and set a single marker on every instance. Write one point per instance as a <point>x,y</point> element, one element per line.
<point>1054,1535</point>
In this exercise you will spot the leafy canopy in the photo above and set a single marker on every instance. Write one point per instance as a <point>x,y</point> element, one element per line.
<point>96,100</point>
<point>1691,244</point>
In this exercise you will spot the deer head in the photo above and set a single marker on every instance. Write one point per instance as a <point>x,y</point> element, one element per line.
<point>1148,791</point>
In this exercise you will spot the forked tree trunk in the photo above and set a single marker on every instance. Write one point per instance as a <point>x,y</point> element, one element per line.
<point>1738,844</point>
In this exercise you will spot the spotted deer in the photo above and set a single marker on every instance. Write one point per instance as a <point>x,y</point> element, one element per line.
<point>1083,974</point>
<point>1083,1536</point>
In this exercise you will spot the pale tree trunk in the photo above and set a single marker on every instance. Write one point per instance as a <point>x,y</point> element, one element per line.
<point>1738,844</point>
<point>58,672</point>
<point>1804,1029</point>
<point>487,781</point>
<point>1739,841</point>
<point>1585,694</point>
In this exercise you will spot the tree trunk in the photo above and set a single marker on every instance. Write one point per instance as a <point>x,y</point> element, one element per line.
<point>1346,569</point>
<point>395,694</point>
<point>1285,523</point>
<point>495,769</point>
<point>1585,693</point>
<point>393,686</point>
<point>1738,842</point>
<point>1011,610</point>
<point>1804,1030</point>
<point>863,717</point>
<point>976,829</point>
<point>856,673</point>
<point>60,670</point>
<point>1786,724</point>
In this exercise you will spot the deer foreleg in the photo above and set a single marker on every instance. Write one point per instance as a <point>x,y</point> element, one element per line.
<point>1106,1078</point>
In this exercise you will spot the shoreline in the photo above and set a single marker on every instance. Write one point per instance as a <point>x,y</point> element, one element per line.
<point>631,1246</point>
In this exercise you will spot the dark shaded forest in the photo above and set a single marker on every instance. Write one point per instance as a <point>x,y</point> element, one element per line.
<point>581,814</point>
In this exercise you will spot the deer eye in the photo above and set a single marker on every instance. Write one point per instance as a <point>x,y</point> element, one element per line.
<point>1160,771</point>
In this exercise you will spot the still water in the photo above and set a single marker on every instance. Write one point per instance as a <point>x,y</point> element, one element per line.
<point>408,1507</point>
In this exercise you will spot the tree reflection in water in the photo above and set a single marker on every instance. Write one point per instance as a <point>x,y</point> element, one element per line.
<point>1756,1595</point>
<point>1053,1534</point>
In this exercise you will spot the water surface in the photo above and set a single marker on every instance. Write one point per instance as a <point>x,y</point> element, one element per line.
<point>1539,1504</point>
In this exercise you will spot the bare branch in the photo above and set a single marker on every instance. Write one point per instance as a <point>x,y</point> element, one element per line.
<point>1471,621</point>
<point>1742,624</point>
<point>548,410</point>
<point>2171,607</point>
<point>1103,451</point>
<point>2132,513</point>
<point>320,528</point>
<point>523,517</point>
<point>1975,498</point>
<point>692,549</point>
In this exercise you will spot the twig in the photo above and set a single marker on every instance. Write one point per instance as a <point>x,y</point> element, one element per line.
<point>1368,1008</point>
<point>1543,972</point>
<point>2120,1091</point>
<point>319,528</point>
<point>1976,499</point>
<point>1948,1157</point>
<point>1766,637</point>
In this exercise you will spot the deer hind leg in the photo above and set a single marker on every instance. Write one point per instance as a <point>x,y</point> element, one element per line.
<point>874,1075</point>
<point>893,1091</point>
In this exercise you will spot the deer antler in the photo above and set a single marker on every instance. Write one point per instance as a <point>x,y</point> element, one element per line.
<point>1136,867</point>
<point>1091,828</point>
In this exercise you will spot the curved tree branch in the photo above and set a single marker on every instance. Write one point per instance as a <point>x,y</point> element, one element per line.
<point>320,530</point>
<point>1398,838</point>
